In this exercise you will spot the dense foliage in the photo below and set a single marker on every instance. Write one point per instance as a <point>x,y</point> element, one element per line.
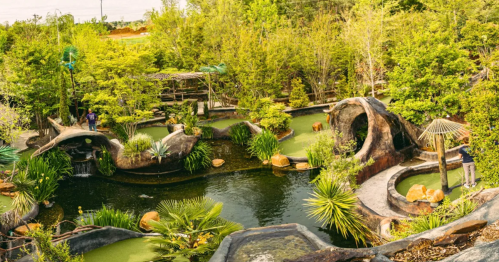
<point>109,217</point>
<point>137,144</point>
<point>270,115</point>
<point>240,134</point>
<point>47,251</point>
<point>298,97</point>
<point>263,145</point>
<point>199,157</point>
<point>190,229</point>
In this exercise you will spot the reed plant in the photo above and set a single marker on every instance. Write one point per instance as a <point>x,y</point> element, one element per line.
<point>46,178</point>
<point>263,145</point>
<point>199,157</point>
<point>207,132</point>
<point>240,134</point>
<point>109,217</point>
<point>59,160</point>
<point>106,164</point>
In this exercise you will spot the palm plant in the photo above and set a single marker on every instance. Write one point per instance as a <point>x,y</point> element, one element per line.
<point>23,200</point>
<point>190,228</point>
<point>159,150</point>
<point>8,155</point>
<point>199,157</point>
<point>332,204</point>
<point>263,145</point>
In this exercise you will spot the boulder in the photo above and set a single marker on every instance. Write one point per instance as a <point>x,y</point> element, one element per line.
<point>436,196</point>
<point>317,126</point>
<point>302,166</point>
<point>453,239</point>
<point>280,160</point>
<point>217,162</point>
<point>153,215</point>
<point>1,181</point>
<point>6,187</point>
<point>265,162</point>
<point>466,227</point>
<point>22,230</point>
<point>416,192</point>
<point>328,118</point>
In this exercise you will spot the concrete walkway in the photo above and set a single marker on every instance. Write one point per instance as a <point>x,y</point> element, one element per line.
<point>20,143</point>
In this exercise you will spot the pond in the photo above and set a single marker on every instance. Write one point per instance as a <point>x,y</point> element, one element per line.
<point>454,177</point>
<point>130,250</point>
<point>252,198</point>
<point>5,204</point>
<point>226,122</point>
<point>157,132</point>
<point>304,135</point>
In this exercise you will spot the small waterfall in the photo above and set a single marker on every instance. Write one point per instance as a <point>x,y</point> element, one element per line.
<point>82,169</point>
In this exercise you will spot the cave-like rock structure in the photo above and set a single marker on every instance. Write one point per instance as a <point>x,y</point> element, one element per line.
<point>75,136</point>
<point>390,139</point>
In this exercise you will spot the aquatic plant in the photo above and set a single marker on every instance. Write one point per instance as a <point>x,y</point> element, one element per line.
<point>106,164</point>
<point>58,160</point>
<point>333,204</point>
<point>139,143</point>
<point>8,155</point>
<point>199,157</point>
<point>207,132</point>
<point>263,145</point>
<point>46,178</point>
<point>109,217</point>
<point>298,97</point>
<point>190,229</point>
<point>47,251</point>
<point>159,150</point>
<point>240,134</point>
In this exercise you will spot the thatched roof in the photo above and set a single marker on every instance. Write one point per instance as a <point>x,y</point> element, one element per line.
<point>176,76</point>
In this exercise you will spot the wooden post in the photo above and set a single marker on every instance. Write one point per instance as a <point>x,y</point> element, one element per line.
<point>442,163</point>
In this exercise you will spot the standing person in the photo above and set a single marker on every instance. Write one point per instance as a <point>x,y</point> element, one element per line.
<point>91,119</point>
<point>468,163</point>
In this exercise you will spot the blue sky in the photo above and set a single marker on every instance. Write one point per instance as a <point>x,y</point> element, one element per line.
<point>129,10</point>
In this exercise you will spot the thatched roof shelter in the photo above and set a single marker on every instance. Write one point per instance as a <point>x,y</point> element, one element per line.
<point>176,76</point>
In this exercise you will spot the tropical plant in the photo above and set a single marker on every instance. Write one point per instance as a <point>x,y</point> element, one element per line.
<point>195,108</point>
<point>190,122</point>
<point>8,155</point>
<point>190,229</point>
<point>271,115</point>
<point>46,178</point>
<point>207,132</point>
<point>198,158</point>
<point>117,130</point>
<point>69,56</point>
<point>206,110</point>
<point>106,163</point>
<point>239,134</point>
<point>137,144</point>
<point>333,204</point>
<point>263,145</point>
<point>321,149</point>
<point>109,217</point>
<point>58,160</point>
<point>159,150</point>
<point>47,251</point>
<point>23,200</point>
<point>298,97</point>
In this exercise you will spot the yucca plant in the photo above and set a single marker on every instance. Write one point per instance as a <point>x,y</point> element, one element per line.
<point>8,155</point>
<point>23,200</point>
<point>198,158</point>
<point>334,205</point>
<point>263,145</point>
<point>159,150</point>
<point>190,229</point>
<point>240,134</point>
<point>109,217</point>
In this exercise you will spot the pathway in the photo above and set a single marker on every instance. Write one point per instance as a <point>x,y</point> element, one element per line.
<point>20,143</point>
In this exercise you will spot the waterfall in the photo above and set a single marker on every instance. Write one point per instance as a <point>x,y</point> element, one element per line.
<point>82,169</point>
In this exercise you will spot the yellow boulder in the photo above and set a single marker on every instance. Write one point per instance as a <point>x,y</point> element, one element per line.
<point>22,230</point>
<point>317,126</point>
<point>436,196</point>
<point>280,160</point>
<point>153,215</point>
<point>416,192</point>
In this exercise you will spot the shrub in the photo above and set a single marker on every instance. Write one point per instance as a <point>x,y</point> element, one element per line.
<point>48,251</point>
<point>109,217</point>
<point>24,200</point>
<point>106,164</point>
<point>159,150</point>
<point>333,204</point>
<point>117,130</point>
<point>139,143</point>
<point>198,158</point>
<point>191,229</point>
<point>59,161</point>
<point>45,178</point>
<point>298,97</point>
<point>321,149</point>
<point>263,145</point>
<point>207,132</point>
<point>240,134</point>
<point>206,110</point>
<point>270,115</point>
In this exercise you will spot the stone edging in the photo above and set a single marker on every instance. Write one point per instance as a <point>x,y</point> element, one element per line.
<point>8,226</point>
<point>288,136</point>
<point>398,201</point>
<point>432,156</point>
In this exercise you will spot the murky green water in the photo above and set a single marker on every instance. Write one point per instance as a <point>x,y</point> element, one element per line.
<point>130,250</point>
<point>5,204</point>
<point>304,135</point>
<point>252,198</point>
<point>432,181</point>
<point>157,132</point>
<point>226,122</point>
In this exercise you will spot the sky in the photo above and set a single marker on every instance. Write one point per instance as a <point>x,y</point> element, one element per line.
<point>82,10</point>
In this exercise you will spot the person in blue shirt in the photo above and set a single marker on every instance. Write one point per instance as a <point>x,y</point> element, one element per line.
<point>468,163</point>
<point>91,120</point>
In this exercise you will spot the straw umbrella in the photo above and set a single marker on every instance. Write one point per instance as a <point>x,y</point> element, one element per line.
<point>437,131</point>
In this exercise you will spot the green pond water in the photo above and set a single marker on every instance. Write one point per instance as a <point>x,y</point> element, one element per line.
<point>130,250</point>
<point>226,122</point>
<point>157,132</point>
<point>455,177</point>
<point>254,198</point>
<point>304,135</point>
<point>5,204</point>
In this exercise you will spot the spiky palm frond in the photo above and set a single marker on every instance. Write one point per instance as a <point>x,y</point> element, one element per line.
<point>159,150</point>
<point>8,155</point>
<point>199,157</point>
<point>69,54</point>
<point>332,204</point>
<point>24,199</point>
